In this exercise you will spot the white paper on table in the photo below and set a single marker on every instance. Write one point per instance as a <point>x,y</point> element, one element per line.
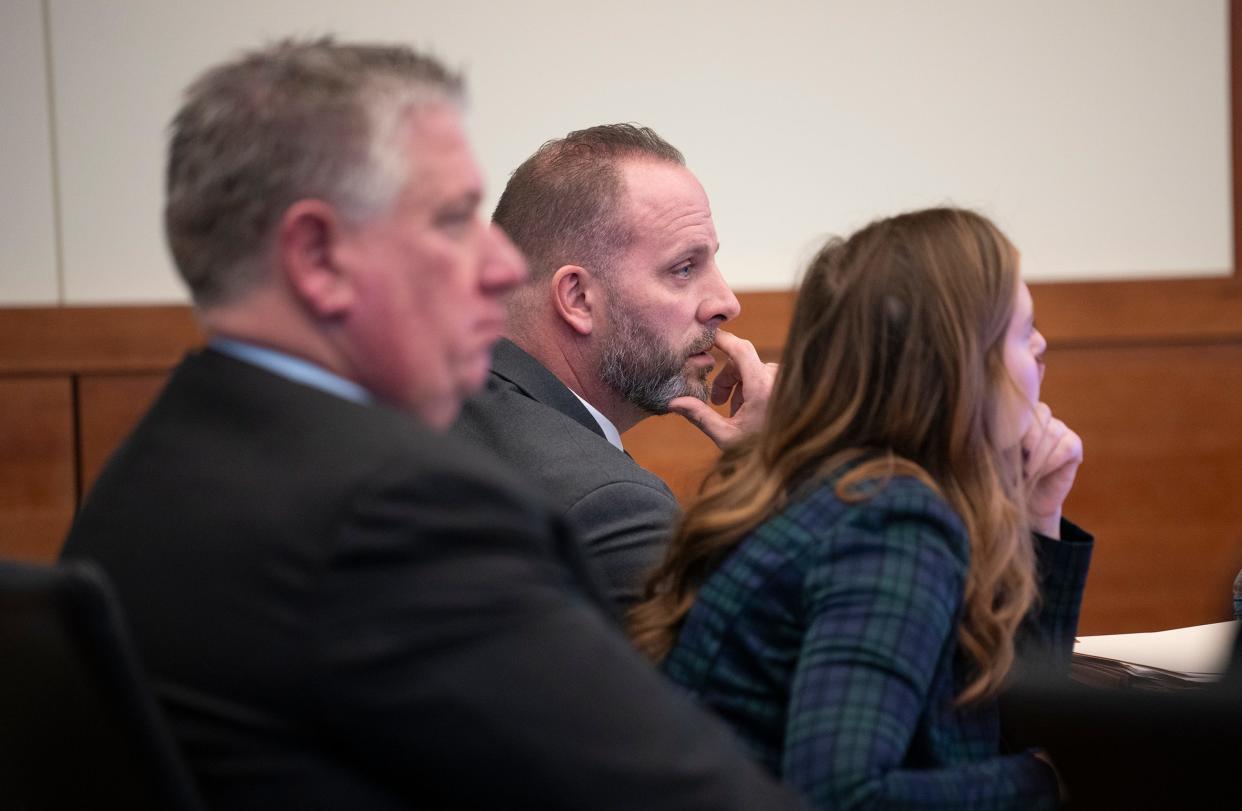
<point>1199,649</point>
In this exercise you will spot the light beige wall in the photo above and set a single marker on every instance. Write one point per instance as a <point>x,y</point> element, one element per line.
<point>1095,133</point>
<point>27,227</point>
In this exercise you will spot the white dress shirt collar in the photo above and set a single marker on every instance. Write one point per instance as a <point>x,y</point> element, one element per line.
<point>610,431</point>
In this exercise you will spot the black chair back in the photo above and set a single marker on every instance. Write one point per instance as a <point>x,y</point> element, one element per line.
<point>79,727</point>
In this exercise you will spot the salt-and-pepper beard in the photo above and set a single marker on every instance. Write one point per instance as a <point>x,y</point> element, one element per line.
<point>640,366</point>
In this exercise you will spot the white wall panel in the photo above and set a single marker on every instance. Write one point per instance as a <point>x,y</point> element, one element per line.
<point>28,272</point>
<point>1095,133</point>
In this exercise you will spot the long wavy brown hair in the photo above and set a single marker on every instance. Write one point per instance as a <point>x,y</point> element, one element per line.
<point>894,361</point>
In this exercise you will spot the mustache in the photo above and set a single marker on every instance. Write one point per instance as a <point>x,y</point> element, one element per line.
<point>704,343</point>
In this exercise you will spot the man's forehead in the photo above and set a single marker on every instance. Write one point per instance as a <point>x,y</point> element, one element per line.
<point>442,163</point>
<point>664,201</point>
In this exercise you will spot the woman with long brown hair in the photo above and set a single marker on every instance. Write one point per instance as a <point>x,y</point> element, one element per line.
<point>847,590</point>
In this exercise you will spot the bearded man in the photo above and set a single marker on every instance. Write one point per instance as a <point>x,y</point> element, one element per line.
<point>617,323</point>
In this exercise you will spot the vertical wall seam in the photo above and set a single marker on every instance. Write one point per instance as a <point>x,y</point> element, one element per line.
<point>1234,48</point>
<point>58,241</point>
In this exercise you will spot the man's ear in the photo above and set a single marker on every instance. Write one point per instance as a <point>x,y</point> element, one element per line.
<point>308,241</point>
<point>574,294</point>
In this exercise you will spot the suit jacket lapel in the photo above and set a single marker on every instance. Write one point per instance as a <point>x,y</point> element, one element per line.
<point>511,364</point>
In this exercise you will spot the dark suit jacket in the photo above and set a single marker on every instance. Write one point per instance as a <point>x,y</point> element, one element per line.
<point>622,513</point>
<point>342,610</point>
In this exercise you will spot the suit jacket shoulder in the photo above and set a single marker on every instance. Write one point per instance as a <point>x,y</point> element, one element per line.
<point>622,513</point>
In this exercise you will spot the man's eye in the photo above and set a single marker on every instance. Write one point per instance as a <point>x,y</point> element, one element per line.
<point>455,219</point>
<point>683,271</point>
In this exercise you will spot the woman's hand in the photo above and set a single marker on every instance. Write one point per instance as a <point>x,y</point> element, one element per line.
<point>1051,454</point>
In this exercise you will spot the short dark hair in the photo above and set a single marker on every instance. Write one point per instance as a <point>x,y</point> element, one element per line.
<point>560,206</point>
<point>292,120</point>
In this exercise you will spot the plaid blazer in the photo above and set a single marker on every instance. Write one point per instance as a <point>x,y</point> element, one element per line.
<point>828,640</point>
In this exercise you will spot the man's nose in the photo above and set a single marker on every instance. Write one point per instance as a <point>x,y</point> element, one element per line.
<point>719,305</point>
<point>504,267</point>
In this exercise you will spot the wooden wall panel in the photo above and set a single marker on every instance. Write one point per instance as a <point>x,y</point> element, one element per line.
<point>1154,311</point>
<point>1162,433</point>
<point>72,381</point>
<point>36,466</point>
<point>74,340</point>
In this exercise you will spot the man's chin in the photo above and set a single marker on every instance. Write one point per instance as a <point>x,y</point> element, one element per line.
<point>692,387</point>
<point>656,391</point>
<point>696,383</point>
<point>438,412</point>
<point>472,374</point>
<point>697,390</point>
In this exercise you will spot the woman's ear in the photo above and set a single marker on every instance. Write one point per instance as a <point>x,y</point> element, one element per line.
<point>308,241</point>
<point>573,296</point>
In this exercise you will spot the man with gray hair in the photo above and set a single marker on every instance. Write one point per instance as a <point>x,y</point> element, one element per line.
<point>339,606</point>
<point>624,303</point>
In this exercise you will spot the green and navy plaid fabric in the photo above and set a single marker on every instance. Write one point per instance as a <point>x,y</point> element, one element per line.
<point>828,641</point>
